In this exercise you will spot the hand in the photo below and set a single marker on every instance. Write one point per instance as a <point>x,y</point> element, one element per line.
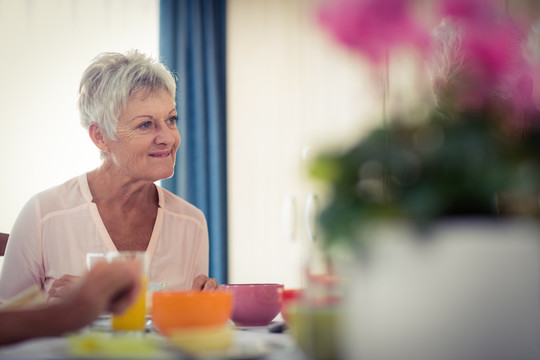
<point>106,288</point>
<point>110,287</point>
<point>124,289</point>
<point>204,283</point>
<point>62,287</point>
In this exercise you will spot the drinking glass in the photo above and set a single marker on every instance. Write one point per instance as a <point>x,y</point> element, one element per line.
<point>134,318</point>
<point>94,258</point>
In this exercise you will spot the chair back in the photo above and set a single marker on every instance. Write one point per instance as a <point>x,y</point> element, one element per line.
<point>3,243</point>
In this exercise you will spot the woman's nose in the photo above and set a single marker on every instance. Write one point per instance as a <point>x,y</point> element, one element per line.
<point>165,135</point>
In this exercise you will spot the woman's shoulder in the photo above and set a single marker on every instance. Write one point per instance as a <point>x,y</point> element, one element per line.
<point>175,204</point>
<point>69,194</point>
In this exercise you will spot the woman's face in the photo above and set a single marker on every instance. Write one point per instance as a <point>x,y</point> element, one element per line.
<point>147,137</point>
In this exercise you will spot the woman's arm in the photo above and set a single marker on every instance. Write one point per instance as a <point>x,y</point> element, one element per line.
<point>22,266</point>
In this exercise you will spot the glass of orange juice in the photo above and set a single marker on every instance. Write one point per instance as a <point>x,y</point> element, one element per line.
<point>134,318</point>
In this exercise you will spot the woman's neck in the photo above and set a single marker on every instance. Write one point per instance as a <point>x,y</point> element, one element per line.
<point>114,188</point>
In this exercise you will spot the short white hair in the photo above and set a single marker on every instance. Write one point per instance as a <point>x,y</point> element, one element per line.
<point>112,79</point>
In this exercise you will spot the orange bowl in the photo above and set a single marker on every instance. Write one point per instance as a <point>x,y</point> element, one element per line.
<point>178,310</point>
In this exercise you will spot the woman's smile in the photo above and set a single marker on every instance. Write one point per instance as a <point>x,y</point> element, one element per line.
<point>160,154</point>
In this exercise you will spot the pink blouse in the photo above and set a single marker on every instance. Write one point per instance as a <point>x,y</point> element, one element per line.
<point>58,227</point>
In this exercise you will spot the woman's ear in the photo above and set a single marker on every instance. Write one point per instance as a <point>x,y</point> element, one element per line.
<point>98,136</point>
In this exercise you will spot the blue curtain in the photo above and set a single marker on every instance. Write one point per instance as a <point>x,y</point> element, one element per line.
<point>192,45</point>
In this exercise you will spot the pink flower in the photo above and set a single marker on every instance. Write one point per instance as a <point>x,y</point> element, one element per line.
<point>492,49</point>
<point>490,37</point>
<point>493,45</point>
<point>372,27</point>
<point>466,8</point>
<point>485,66</point>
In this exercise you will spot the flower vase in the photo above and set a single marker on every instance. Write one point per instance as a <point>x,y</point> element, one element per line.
<point>459,290</point>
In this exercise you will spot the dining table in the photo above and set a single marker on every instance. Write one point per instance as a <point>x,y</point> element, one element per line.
<point>98,341</point>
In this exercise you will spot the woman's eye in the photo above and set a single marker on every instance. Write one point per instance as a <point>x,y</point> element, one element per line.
<point>173,120</point>
<point>145,125</point>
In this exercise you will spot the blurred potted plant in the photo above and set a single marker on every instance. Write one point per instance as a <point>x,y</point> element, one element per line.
<point>446,167</point>
<point>449,180</point>
<point>474,152</point>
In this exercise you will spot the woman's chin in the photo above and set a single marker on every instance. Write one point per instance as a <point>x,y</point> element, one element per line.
<point>165,175</point>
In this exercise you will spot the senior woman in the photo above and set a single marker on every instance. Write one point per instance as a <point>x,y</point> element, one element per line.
<point>127,104</point>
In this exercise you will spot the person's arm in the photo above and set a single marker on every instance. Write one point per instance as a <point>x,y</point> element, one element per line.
<point>22,266</point>
<point>18,325</point>
<point>107,287</point>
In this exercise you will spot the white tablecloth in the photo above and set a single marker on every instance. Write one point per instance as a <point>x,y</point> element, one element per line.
<point>250,343</point>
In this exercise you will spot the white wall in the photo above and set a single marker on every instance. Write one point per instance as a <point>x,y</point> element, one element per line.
<point>45,45</point>
<point>290,89</point>
<point>292,92</point>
